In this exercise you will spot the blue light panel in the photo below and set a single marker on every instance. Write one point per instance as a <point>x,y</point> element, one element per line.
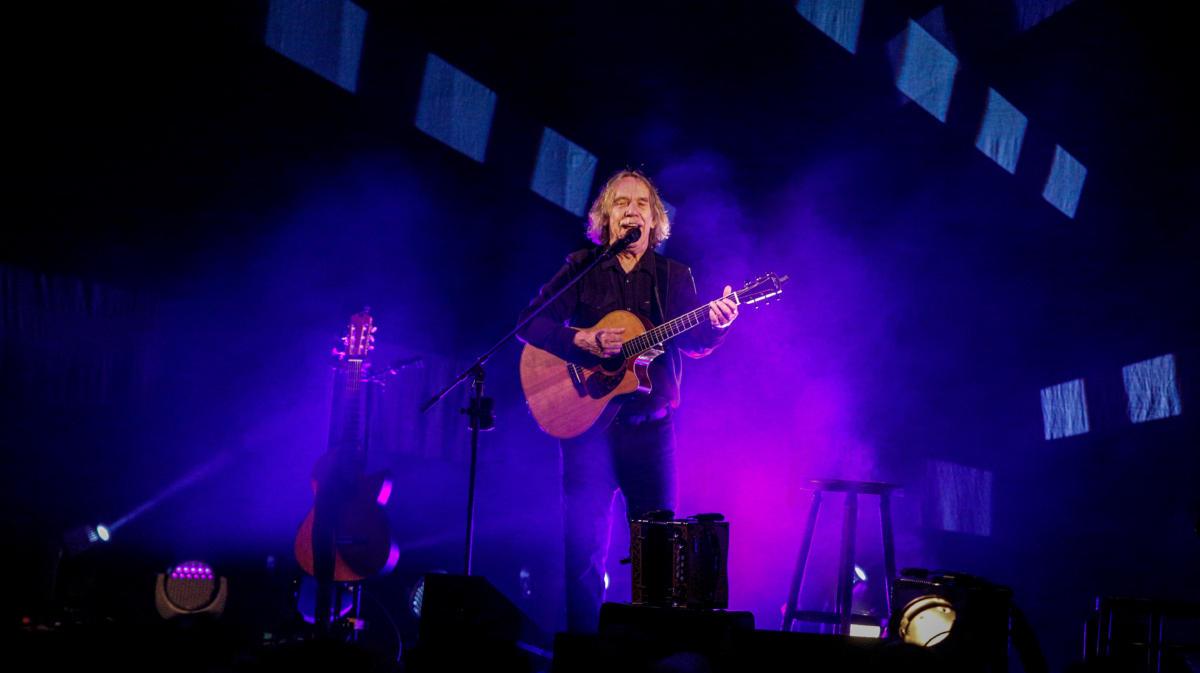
<point>839,19</point>
<point>1032,12</point>
<point>325,36</point>
<point>564,172</point>
<point>455,109</point>
<point>1065,182</point>
<point>964,498</point>
<point>926,70</point>
<point>1152,390</point>
<point>1064,410</point>
<point>934,23</point>
<point>1001,132</point>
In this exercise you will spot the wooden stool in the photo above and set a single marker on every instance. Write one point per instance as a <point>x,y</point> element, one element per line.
<point>840,619</point>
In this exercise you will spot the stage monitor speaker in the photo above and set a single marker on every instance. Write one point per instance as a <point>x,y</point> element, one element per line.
<point>739,651</point>
<point>466,622</point>
<point>648,638</point>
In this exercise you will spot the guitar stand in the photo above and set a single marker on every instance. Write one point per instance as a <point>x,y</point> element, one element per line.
<point>344,600</point>
<point>354,622</point>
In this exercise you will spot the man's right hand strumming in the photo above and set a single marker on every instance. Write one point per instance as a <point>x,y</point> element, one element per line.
<point>603,342</point>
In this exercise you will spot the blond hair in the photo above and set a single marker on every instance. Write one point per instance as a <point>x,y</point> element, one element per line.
<point>598,216</point>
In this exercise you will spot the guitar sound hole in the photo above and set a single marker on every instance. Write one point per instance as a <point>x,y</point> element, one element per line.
<point>614,366</point>
<point>602,383</point>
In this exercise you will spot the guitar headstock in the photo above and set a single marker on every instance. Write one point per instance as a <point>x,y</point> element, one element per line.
<point>359,340</point>
<point>762,288</point>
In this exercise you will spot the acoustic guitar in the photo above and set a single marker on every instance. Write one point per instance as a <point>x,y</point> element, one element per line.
<point>346,536</point>
<point>567,398</point>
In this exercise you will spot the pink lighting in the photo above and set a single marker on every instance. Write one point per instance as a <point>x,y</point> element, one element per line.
<point>192,570</point>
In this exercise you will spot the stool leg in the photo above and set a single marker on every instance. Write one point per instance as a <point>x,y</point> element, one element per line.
<point>889,549</point>
<point>846,564</point>
<point>810,527</point>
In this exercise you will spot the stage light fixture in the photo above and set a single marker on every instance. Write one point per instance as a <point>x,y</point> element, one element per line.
<point>190,588</point>
<point>341,599</point>
<point>416,597</point>
<point>962,617</point>
<point>926,621</point>
<point>78,540</point>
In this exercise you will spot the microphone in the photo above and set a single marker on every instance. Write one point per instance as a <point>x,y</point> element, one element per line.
<point>625,241</point>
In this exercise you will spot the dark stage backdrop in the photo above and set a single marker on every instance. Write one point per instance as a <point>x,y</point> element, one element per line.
<point>192,217</point>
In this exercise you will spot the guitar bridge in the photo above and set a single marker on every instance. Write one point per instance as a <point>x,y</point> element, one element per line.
<point>576,373</point>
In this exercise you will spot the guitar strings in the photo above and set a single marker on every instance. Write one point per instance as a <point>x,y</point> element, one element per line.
<point>669,329</point>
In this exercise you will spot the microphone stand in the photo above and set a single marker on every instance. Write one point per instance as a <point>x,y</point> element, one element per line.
<point>479,410</point>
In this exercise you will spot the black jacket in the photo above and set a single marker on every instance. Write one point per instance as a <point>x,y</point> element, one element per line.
<point>661,287</point>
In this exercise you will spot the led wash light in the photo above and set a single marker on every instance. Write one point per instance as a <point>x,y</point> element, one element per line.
<point>190,588</point>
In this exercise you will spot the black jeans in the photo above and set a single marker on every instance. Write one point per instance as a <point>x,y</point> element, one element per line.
<point>638,459</point>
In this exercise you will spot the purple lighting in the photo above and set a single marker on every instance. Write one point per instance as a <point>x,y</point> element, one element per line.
<point>192,570</point>
<point>385,492</point>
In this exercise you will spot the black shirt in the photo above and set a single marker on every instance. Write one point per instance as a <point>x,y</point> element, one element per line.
<point>608,288</point>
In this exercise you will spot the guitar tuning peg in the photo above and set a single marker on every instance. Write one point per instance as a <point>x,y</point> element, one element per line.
<point>374,329</point>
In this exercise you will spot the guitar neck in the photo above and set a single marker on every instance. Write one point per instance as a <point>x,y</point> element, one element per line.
<point>669,330</point>
<point>346,436</point>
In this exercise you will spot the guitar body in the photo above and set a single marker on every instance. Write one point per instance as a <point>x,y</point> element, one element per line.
<point>346,536</point>
<point>567,399</point>
<point>364,545</point>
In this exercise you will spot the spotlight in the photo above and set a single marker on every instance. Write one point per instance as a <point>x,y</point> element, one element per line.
<point>190,588</point>
<point>78,540</point>
<point>963,617</point>
<point>341,599</point>
<point>926,621</point>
